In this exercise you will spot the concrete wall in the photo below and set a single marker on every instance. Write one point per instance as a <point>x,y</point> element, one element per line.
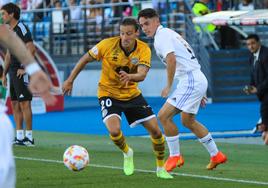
<point>87,81</point>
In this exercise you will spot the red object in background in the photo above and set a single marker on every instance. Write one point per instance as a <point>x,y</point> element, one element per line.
<point>58,106</point>
<point>219,5</point>
<point>48,66</point>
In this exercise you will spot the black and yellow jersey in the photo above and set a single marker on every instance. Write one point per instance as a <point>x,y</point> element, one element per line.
<point>114,59</point>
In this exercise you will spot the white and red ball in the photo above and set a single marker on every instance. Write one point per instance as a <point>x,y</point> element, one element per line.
<point>76,158</point>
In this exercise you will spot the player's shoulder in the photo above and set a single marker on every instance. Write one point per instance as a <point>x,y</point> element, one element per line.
<point>22,30</point>
<point>163,33</point>
<point>142,44</point>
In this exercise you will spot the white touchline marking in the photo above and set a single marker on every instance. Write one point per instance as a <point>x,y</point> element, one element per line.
<point>152,171</point>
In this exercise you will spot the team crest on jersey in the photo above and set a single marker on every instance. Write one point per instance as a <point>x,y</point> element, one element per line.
<point>134,60</point>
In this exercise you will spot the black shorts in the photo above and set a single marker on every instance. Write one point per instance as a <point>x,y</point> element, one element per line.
<point>19,89</point>
<point>136,110</point>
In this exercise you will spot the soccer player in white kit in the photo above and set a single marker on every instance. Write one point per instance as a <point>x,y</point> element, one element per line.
<point>39,84</point>
<point>181,64</point>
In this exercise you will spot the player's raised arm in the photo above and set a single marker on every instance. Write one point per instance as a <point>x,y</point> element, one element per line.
<point>68,84</point>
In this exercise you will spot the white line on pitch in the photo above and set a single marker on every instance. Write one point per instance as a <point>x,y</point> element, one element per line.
<point>151,171</point>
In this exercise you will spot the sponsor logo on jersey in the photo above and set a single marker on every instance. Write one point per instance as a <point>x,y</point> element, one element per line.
<point>94,50</point>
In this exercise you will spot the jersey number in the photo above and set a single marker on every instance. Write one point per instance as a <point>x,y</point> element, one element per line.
<point>106,103</point>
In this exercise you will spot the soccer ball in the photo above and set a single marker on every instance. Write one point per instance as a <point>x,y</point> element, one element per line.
<point>75,158</point>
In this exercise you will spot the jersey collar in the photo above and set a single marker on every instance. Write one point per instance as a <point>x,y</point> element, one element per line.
<point>125,52</point>
<point>158,29</point>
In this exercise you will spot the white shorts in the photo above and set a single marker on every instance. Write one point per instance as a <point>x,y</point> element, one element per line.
<point>7,164</point>
<point>192,87</point>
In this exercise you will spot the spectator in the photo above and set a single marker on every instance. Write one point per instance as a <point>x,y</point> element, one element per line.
<point>200,8</point>
<point>95,13</point>
<point>33,4</point>
<point>23,4</point>
<point>57,18</point>
<point>246,5</point>
<point>224,5</point>
<point>37,4</point>
<point>75,11</point>
<point>259,79</point>
<point>127,9</point>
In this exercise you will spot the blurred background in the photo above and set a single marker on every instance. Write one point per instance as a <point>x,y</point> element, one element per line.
<point>63,30</point>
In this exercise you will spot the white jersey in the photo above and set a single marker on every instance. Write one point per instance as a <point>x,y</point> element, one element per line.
<point>2,107</point>
<point>7,163</point>
<point>167,41</point>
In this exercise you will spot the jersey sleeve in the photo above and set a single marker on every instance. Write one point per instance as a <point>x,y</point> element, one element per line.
<point>26,33</point>
<point>145,58</point>
<point>164,43</point>
<point>98,50</point>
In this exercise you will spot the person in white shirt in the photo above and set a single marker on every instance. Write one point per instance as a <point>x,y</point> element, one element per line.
<point>181,64</point>
<point>75,11</point>
<point>39,84</point>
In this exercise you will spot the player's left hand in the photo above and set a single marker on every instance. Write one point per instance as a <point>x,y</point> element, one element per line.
<point>165,92</point>
<point>124,77</point>
<point>204,102</point>
<point>20,73</point>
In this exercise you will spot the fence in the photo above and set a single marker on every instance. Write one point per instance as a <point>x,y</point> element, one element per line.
<point>60,35</point>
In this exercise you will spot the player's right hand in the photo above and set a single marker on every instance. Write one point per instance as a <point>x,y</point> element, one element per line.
<point>246,90</point>
<point>165,92</point>
<point>67,87</point>
<point>41,85</point>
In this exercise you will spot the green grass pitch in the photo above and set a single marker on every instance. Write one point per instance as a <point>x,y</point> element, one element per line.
<point>41,166</point>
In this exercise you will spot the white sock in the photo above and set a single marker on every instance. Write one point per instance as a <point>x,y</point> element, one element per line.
<point>173,145</point>
<point>209,144</point>
<point>29,134</point>
<point>20,134</point>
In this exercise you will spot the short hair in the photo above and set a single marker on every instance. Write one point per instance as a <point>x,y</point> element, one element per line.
<point>253,36</point>
<point>130,21</point>
<point>148,13</point>
<point>12,8</point>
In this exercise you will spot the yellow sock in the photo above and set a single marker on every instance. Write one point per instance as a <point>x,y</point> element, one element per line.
<point>120,141</point>
<point>159,150</point>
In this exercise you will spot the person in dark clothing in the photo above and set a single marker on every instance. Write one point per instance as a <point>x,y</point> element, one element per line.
<point>20,95</point>
<point>259,79</point>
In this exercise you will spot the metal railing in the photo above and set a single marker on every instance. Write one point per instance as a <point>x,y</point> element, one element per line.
<point>61,36</point>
